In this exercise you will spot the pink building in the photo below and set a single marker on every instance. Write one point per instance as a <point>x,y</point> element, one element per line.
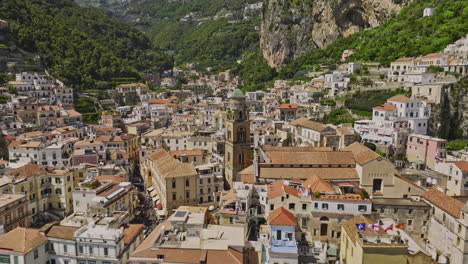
<point>426,150</point>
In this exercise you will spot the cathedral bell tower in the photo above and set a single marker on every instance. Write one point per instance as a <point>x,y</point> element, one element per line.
<point>238,147</point>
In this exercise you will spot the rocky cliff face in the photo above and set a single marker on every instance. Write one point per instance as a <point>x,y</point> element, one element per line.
<point>292,27</point>
<point>449,118</point>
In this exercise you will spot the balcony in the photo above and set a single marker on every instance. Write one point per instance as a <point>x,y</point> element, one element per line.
<point>282,246</point>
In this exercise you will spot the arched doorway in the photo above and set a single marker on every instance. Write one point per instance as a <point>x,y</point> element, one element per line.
<point>324,226</point>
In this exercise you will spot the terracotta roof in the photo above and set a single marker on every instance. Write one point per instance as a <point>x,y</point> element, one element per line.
<point>278,188</point>
<point>247,175</point>
<point>73,113</point>
<point>404,59</point>
<point>431,55</point>
<point>462,165</point>
<point>311,158</point>
<point>110,178</point>
<point>29,170</point>
<point>109,190</point>
<point>295,149</point>
<point>22,240</point>
<point>287,106</point>
<point>305,173</point>
<point>55,230</point>
<point>317,184</point>
<point>447,203</point>
<point>159,101</point>
<point>304,122</point>
<point>400,98</point>
<point>385,107</point>
<point>281,216</point>
<point>130,231</point>
<point>170,167</point>
<point>362,154</point>
<point>351,229</point>
<point>192,152</point>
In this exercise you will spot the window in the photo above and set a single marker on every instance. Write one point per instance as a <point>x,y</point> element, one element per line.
<point>91,250</point>
<point>340,207</point>
<point>187,194</point>
<point>36,254</point>
<point>325,206</point>
<point>4,258</point>
<point>65,248</point>
<point>174,196</point>
<point>304,222</point>
<point>106,251</point>
<point>362,208</point>
<point>304,206</point>
<point>173,184</point>
<point>187,182</point>
<point>272,207</point>
<point>316,205</point>
<point>292,206</point>
<point>377,185</point>
<point>410,222</point>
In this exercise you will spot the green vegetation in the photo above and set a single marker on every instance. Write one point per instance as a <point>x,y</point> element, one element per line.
<point>4,99</point>
<point>328,101</point>
<point>457,144</point>
<point>83,47</point>
<point>207,37</point>
<point>370,145</point>
<point>434,69</point>
<point>255,72</point>
<point>87,107</point>
<point>338,116</point>
<point>409,34</point>
<point>365,101</point>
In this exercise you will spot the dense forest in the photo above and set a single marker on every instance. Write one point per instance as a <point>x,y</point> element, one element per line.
<point>214,34</point>
<point>409,34</point>
<point>81,46</point>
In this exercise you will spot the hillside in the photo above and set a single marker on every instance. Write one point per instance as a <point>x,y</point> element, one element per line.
<point>291,28</point>
<point>213,33</point>
<point>409,34</point>
<point>81,46</point>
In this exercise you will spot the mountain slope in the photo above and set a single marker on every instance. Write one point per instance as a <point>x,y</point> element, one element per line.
<point>291,28</point>
<point>409,34</point>
<point>212,33</point>
<point>83,47</point>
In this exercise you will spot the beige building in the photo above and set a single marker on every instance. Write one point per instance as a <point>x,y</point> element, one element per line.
<point>377,175</point>
<point>24,246</point>
<point>46,189</point>
<point>371,246</point>
<point>174,182</point>
<point>13,211</point>
<point>447,240</point>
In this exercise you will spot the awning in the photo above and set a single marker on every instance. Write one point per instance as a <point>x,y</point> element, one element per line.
<point>154,193</point>
<point>156,198</point>
<point>150,189</point>
<point>418,162</point>
<point>331,251</point>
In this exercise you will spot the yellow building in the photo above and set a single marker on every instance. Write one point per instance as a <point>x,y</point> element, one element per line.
<point>371,246</point>
<point>174,182</point>
<point>46,189</point>
<point>13,211</point>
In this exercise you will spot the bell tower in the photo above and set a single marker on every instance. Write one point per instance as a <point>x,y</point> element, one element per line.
<point>238,148</point>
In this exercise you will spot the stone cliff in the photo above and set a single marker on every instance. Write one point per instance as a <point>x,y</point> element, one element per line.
<point>290,28</point>
<point>449,118</point>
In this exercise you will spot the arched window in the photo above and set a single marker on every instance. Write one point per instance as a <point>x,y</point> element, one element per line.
<point>240,115</point>
<point>241,134</point>
<point>324,219</point>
